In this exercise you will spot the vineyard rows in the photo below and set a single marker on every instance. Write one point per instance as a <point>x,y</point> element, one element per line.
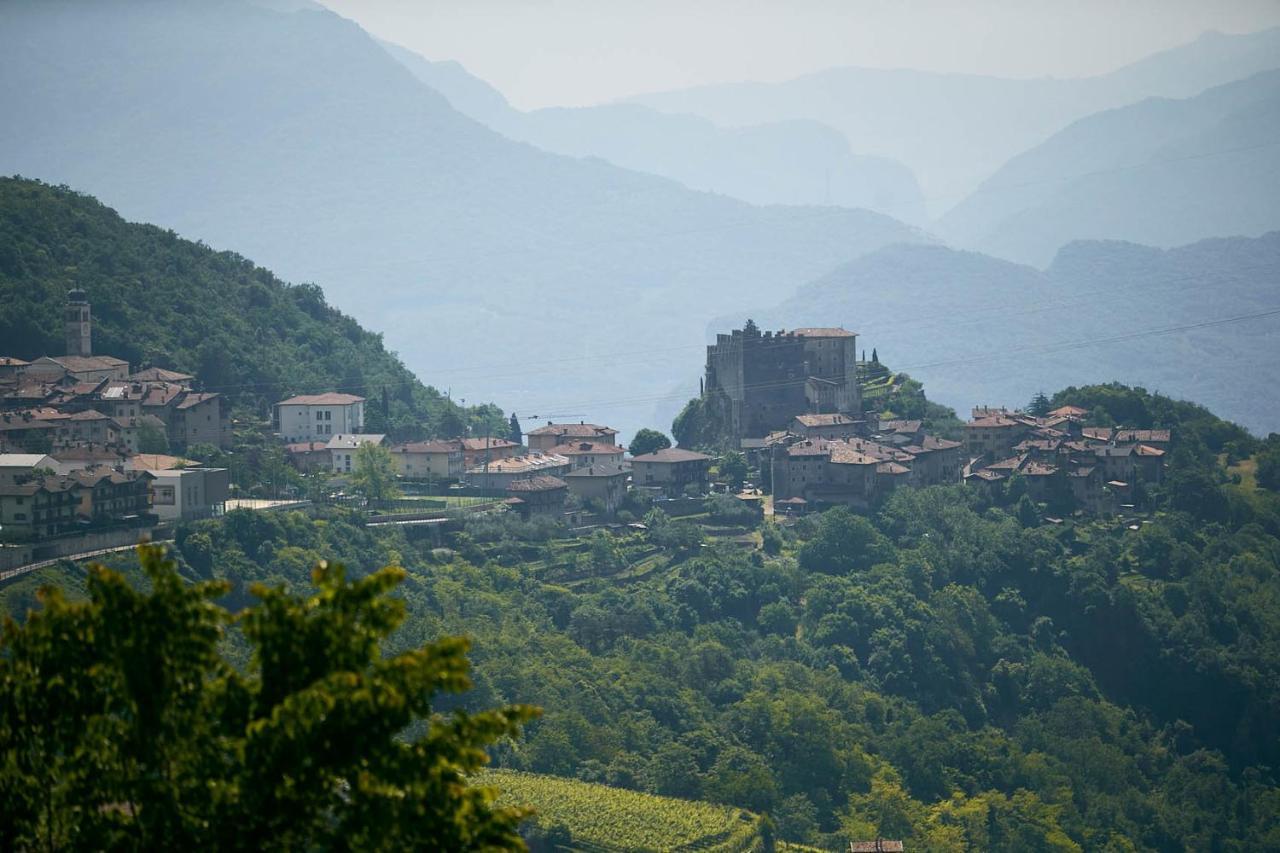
<point>604,818</point>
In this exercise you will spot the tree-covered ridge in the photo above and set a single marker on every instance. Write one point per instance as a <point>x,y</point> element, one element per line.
<point>947,670</point>
<point>159,300</point>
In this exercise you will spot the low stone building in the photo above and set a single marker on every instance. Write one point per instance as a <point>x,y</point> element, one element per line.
<point>540,495</point>
<point>500,473</point>
<point>584,454</point>
<point>604,484</point>
<point>15,467</point>
<point>671,469</point>
<point>184,494</point>
<point>833,425</point>
<point>309,456</point>
<point>342,449</point>
<point>552,435</point>
<point>859,472</point>
<point>37,508</point>
<point>477,451</point>
<point>110,495</point>
<point>428,460</point>
<point>200,418</point>
<point>81,368</point>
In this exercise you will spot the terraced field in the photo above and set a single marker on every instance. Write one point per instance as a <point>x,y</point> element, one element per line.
<point>602,818</point>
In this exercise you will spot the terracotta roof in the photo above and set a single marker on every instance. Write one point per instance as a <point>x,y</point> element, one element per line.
<point>809,447</point>
<point>1013,463</point>
<point>543,483</point>
<point>1069,412</point>
<point>825,420</point>
<point>161,393</point>
<point>586,448</point>
<point>574,430</point>
<point>892,468</point>
<point>992,422</point>
<point>10,361</point>
<point>1147,450</point>
<point>79,363</point>
<point>1160,435</point>
<point>899,426</point>
<point>158,462</point>
<point>194,399</point>
<point>160,374</point>
<point>986,474</point>
<point>487,443</point>
<point>331,398</point>
<point>426,447</point>
<point>53,484</point>
<point>606,470</point>
<point>671,454</point>
<point>845,455</point>
<point>1098,433</point>
<point>306,447</point>
<point>823,332</point>
<point>934,443</point>
<point>89,415</point>
<point>350,441</point>
<point>521,464</point>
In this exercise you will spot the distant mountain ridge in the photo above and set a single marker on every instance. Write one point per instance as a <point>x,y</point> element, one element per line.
<point>1163,172</point>
<point>955,130</point>
<point>296,140</point>
<point>785,162</point>
<point>977,329</point>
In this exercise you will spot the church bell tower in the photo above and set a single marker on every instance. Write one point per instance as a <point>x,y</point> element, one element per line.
<point>79,327</point>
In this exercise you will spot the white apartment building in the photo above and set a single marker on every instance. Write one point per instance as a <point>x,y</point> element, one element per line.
<point>319,417</point>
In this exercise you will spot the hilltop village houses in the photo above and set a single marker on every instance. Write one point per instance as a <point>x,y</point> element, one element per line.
<point>793,402</point>
<point>1058,457</point>
<point>85,444</point>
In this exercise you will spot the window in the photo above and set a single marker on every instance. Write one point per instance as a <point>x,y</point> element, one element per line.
<point>319,416</point>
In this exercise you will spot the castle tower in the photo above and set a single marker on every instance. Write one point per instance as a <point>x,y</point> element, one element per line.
<point>78,325</point>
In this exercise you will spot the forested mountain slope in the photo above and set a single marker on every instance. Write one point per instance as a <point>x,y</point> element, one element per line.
<point>949,670</point>
<point>977,329</point>
<point>1160,172</point>
<point>294,138</point>
<point>160,300</point>
<point>954,130</point>
<point>786,162</point>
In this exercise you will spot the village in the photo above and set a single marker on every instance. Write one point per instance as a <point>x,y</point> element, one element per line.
<point>91,451</point>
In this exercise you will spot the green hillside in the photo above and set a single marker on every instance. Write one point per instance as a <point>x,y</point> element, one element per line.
<point>160,300</point>
<point>600,817</point>
<point>951,670</point>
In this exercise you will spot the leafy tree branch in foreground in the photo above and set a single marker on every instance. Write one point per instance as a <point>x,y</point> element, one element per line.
<point>121,726</point>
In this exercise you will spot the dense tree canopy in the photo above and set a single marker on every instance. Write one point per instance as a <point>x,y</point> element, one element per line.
<point>942,669</point>
<point>647,441</point>
<point>121,726</point>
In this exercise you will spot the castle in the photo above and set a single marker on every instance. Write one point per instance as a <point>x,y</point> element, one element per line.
<point>756,382</point>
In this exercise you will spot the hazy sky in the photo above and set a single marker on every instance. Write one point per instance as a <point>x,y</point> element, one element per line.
<point>573,52</point>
